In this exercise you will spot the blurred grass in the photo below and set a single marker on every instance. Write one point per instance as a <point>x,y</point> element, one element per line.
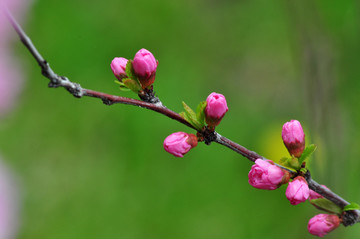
<point>94,171</point>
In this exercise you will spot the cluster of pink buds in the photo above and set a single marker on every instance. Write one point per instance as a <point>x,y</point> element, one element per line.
<point>211,111</point>
<point>137,74</point>
<point>264,174</point>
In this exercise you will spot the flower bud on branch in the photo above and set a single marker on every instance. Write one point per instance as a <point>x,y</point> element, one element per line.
<point>179,143</point>
<point>322,224</point>
<point>215,109</point>
<point>266,175</point>
<point>145,65</point>
<point>118,67</point>
<point>293,137</point>
<point>297,191</point>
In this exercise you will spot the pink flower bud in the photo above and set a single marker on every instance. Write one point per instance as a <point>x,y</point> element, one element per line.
<point>265,175</point>
<point>215,109</point>
<point>118,66</point>
<point>315,195</point>
<point>145,65</point>
<point>322,224</point>
<point>293,137</point>
<point>297,191</point>
<point>180,143</point>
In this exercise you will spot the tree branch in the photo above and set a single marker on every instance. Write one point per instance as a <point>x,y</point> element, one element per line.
<point>349,218</point>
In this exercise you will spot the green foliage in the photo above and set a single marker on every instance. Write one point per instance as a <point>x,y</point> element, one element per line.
<point>352,206</point>
<point>132,85</point>
<point>123,87</point>
<point>190,116</point>
<point>200,113</point>
<point>326,205</point>
<point>130,70</point>
<point>291,163</point>
<point>308,151</point>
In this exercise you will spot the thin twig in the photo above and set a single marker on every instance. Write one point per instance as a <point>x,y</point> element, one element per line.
<point>77,91</point>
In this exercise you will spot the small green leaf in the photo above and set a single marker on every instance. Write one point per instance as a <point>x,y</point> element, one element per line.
<point>186,117</point>
<point>118,82</point>
<point>352,206</point>
<point>123,87</point>
<point>309,150</point>
<point>132,84</point>
<point>326,205</point>
<point>129,70</point>
<point>283,160</point>
<point>191,117</point>
<point>303,170</point>
<point>189,110</point>
<point>291,163</point>
<point>200,113</point>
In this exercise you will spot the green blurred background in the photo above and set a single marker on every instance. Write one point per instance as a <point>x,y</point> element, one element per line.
<point>93,171</point>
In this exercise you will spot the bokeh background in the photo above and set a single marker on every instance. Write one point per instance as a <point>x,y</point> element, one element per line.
<point>86,170</point>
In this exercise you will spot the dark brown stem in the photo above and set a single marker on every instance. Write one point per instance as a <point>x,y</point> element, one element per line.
<point>76,90</point>
<point>112,99</point>
<point>349,217</point>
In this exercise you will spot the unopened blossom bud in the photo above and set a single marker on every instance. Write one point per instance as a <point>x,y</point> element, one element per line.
<point>180,143</point>
<point>145,65</point>
<point>118,66</point>
<point>322,224</point>
<point>266,175</point>
<point>215,109</point>
<point>297,191</point>
<point>293,137</point>
<point>315,195</point>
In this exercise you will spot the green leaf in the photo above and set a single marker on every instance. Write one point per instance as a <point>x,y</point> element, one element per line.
<point>291,163</point>
<point>326,205</point>
<point>352,206</point>
<point>129,70</point>
<point>309,150</point>
<point>303,170</point>
<point>132,84</point>
<point>123,87</point>
<point>200,113</point>
<point>118,82</point>
<point>186,117</point>
<point>190,116</point>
